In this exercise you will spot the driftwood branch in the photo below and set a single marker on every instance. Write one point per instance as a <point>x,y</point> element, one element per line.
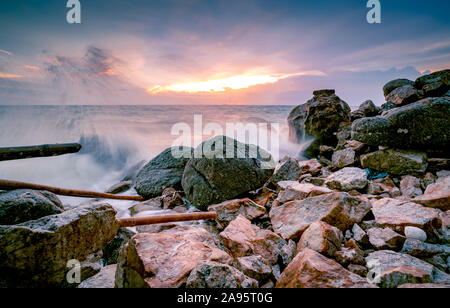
<point>45,150</point>
<point>165,218</point>
<point>11,185</point>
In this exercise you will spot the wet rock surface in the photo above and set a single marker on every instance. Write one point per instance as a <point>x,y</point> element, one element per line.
<point>213,178</point>
<point>21,205</point>
<point>163,171</point>
<point>35,253</point>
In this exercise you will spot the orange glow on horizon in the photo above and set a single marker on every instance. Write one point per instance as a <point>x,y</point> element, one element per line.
<point>108,72</point>
<point>230,83</point>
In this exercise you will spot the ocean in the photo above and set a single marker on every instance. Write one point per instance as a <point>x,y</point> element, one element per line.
<point>114,138</point>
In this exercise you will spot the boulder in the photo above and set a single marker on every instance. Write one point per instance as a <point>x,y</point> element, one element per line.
<point>385,239</point>
<point>254,267</point>
<point>318,117</point>
<point>287,170</point>
<point>436,195</point>
<point>310,269</point>
<point>163,171</point>
<point>165,259</point>
<point>214,174</point>
<point>413,233</point>
<point>372,130</point>
<point>421,125</point>
<point>339,209</point>
<point>311,166</point>
<point>120,187</point>
<point>422,250</point>
<point>300,191</point>
<point>381,188</point>
<point>399,214</point>
<point>321,237</point>
<point>435,84</point>
<point>230,210</point>
<point>35,253</point>
<point>209,274</point>
<point>368,108</point>
<point>401,275</point>
<point>403,95</point>
<point>396,162</point>
<point>394,84</point>
<point>21,205</point>
<point>410,186</point>
<point>103,280</point>
<point>381,261</point>
<point>343,158</point>
<point>241,239</point>
<point>346,179</point>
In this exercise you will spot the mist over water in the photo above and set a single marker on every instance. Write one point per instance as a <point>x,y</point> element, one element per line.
<point>113,138</point>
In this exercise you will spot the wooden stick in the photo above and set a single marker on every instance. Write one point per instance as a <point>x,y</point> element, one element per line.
<point>44,150</point>
<point>159,219</point>
<point>11,185</point>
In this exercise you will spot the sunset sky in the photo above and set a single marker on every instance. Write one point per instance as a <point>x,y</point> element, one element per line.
<point>214,52</point>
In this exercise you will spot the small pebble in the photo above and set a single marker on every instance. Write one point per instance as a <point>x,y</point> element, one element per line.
<point>415,233</point>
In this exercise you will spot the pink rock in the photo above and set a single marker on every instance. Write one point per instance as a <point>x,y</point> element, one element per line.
<point>165,259</point>
<point>385,239</point>
<point>310,269</point>
<point>436,195</point>
<point>241,238</point>
<point>229,210</point>
<point>399,214</point>
<point>338,209</point>
<point>321,237</point>
<point>297,191</point>
<point>311,166</point>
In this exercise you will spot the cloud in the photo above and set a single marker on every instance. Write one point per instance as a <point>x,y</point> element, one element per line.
<point>32,67</point>
<point>6,52</point>
<point>9,76</point>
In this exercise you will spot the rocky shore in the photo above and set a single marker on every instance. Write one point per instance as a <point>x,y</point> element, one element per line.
<point>369,208</point>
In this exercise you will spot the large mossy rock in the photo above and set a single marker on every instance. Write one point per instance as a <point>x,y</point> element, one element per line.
<point>397,162</point>
<point>422,125</point>
<point>35,253</point>
<point>396,83</point>
<point>213,176</point>
<point>21,205</point>
<point>319,117</point>
<point>163,171</point>
<point>435,84</point>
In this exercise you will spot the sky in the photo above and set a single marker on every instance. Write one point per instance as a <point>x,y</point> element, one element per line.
<point>260,52</point>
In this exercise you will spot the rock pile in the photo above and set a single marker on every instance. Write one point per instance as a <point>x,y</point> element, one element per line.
<point>370,208</point>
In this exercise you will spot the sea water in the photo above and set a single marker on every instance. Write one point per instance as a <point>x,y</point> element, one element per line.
<point>113,138</point>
